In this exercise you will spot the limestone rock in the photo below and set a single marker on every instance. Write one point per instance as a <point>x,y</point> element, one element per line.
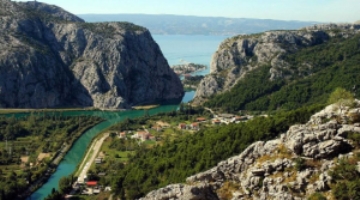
<point>268,170</point>
<point>182,192</point>
<point>241,54</point>
<point>52,58</point>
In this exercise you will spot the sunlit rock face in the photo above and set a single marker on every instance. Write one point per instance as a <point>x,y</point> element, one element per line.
<point>52,58</point>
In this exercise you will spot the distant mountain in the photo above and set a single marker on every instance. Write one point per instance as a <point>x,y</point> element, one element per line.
<point>192,25</point>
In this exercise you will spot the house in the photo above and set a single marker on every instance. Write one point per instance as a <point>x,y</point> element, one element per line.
<point>195,126</point>
<point>122,135</point>
<point>216,121</point>
<point>91,183</point>
<point>200,119</point>
<point>163,124</point>
<point>157,128</point>
<point>182,126</point>
<point>141,135</point>
<point>226,117</point>
<point>98,160</point>
<point>239,118</point>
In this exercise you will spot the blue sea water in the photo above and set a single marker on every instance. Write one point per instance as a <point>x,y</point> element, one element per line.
<point>179,49</point>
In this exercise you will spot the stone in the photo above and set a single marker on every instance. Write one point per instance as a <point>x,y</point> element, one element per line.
<point>276,178</point>
<point>258,172</point>
<point>240,55</point>
<point>58,60</point>
<point>182,192</point>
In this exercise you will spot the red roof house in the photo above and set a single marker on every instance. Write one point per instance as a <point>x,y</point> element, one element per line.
<point>195,126</point>
<point>91,183</point>
<point>200,119</point>
<point>182,126</point>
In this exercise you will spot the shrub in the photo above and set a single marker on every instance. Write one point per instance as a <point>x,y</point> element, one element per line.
<point>317,196</point>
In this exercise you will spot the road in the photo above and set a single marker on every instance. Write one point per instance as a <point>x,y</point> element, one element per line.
<point>93,151</point>
<point>212,112</point>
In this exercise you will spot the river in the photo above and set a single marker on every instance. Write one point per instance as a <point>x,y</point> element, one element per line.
<point>177,49</point>
<point>78,150</point>
<point>76,153</point>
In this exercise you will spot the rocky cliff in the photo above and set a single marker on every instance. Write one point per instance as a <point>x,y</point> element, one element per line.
<point>51,58</point>
<point>239,55</point>
<point>302,162</point>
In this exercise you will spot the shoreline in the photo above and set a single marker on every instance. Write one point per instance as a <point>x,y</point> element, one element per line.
<point>5,111</point>
<point>8,111</point>
<point>145,107</point>
<point>191,73</point>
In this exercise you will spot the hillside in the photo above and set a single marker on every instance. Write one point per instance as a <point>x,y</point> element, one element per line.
<point>194,25</point>
<point>52,58</point>
<point>316,160</point>
<point>282,69</point>
<point>173,161</point>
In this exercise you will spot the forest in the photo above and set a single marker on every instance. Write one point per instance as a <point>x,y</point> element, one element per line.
<point>333,64</point>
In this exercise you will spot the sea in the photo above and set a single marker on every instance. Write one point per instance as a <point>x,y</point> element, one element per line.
<point>181,49</point>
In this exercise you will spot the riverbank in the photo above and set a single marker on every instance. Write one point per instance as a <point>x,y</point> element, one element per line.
<point>28,110</point>
<point>145,107</point>
<point>71,161</point>
<point>55,160</point>
<point>89,158</point>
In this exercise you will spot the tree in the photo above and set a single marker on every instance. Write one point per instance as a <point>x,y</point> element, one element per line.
<point>65,185</point>
<point>341,98</point>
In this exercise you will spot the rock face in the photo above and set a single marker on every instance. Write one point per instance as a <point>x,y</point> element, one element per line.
<point>268,170</point>
<point>51,58</point>
<point>239,55</point>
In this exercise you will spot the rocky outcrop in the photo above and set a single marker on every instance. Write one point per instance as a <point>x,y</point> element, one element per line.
<point>201,191</point>
<point>52,58</point>
<point>275,169</point>
<point>239,55</point>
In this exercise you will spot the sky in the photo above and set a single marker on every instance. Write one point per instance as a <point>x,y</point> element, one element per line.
<point>302,10</point>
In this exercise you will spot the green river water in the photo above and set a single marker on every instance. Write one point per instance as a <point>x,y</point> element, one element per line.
<point>78,150</point>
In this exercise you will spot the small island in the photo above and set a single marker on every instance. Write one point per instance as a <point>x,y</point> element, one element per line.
<point>191,82</point>
<point>188,68</point>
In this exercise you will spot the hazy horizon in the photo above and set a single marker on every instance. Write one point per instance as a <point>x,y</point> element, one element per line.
<point>337,11</point>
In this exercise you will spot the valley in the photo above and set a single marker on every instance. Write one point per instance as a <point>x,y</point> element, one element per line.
<point>108,110</point>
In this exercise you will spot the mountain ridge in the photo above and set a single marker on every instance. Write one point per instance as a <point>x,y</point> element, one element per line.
<point>241,56</point>
<point>165,24</point>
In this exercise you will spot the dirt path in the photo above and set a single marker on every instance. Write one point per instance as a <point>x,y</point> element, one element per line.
<point>90,157</point>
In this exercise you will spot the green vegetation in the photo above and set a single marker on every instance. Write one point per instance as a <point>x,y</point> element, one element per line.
<point>191,82</point>
<point>173,161</point>
<point>104,29</point>
<point>317,196</point>
<point>246,91</point>
<point>108,29</point>
<point>31,145</point>
<point>347,178</point>
<point>333,64</point>
<point>341,98</point>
